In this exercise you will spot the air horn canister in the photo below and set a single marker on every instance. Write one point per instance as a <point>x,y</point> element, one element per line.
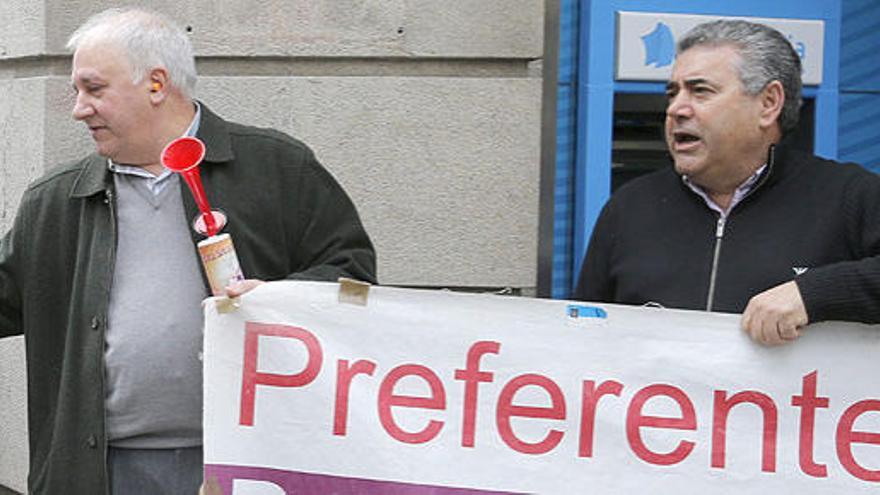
<point>183,156</point>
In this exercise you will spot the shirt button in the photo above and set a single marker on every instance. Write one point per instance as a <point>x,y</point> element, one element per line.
<point>96,323</point>
<point>92,442</point>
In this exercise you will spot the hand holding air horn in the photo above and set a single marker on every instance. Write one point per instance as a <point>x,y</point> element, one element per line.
<point>183,156</point>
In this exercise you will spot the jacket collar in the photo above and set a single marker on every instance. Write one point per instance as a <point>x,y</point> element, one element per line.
<point>777,157</point>
<point>777,160</point>
<point>94,177</point>
<point>213,131</point>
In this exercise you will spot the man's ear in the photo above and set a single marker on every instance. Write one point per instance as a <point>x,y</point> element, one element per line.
<point>157,83</point>
<point>772,100</point>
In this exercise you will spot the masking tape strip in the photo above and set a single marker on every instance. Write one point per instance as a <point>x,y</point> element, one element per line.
<point>353,291</point>
<point>226,305</point>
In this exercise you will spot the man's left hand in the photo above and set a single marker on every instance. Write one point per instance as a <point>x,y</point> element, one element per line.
<point>775,316</point>
<point>242,287</point>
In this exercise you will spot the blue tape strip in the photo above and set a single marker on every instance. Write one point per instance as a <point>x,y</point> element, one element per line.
<point>581,311</point>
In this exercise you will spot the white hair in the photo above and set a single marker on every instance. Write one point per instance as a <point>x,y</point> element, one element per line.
<point>148,39</point>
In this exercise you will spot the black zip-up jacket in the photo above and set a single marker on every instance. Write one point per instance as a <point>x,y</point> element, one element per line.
<point>807,219</point>
<point>288,218</point>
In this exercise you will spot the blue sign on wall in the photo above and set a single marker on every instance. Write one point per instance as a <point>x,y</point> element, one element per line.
<point>659,46</point>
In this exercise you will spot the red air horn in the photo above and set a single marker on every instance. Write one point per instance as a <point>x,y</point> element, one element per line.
<point>183,156</point>
<point>222,269</point>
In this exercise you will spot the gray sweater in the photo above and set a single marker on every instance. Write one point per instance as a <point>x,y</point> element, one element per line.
<point>154,331</point>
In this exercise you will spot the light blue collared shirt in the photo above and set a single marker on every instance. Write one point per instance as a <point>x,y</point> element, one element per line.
<point>157,183</point>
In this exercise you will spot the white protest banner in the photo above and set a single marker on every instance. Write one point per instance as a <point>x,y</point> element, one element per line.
<point>429,392</point>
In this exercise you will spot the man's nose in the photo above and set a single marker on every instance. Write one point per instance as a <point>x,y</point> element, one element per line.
<point>679,106</point>
<point>82,108</point>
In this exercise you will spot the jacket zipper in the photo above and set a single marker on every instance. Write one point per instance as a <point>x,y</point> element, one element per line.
<point>719,229</point>
<point>719,236</point>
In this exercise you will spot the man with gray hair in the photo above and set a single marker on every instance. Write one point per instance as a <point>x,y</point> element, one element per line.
<point>100,271</point>
<point>744,222</point>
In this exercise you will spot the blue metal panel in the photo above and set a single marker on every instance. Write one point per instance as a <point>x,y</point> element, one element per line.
<point>564,195</point>
<point>595,117</point>
<point>860,46</point>
<point>859,129</point>
<point>825,136</point>
<point>639,87</point>
<point>828,95</point>
<point>799,9</point>
<point>566,139</point>
<point>859,124</point>
<point>596,87</point>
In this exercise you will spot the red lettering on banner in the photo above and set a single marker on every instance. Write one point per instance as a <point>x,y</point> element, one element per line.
<point>506,409</point>
<point>387,400</point>
<point>472,376</point>
<point>592,393</point>
<point>808,402</point>
<point>590,396</point>
<point>251,377</point>
<point>722,408</point>
<point>635,421</point>
<point>344,375</point>
<point>846,437</point>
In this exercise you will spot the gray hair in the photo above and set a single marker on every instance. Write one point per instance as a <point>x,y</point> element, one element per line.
<point>765,56</point>
<point>148,39</point>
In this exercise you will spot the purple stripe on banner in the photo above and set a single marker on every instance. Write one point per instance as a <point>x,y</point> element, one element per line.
<point>298,483</point>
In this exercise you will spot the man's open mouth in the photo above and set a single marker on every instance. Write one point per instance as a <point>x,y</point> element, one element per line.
<point>683,137</point>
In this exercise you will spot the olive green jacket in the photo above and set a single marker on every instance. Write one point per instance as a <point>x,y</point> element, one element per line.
<point>287,216</point>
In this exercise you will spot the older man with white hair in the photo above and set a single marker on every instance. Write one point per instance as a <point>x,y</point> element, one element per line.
<point>101,274</point>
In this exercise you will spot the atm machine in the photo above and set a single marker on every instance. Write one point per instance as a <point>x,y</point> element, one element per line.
<point>624,54</point>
